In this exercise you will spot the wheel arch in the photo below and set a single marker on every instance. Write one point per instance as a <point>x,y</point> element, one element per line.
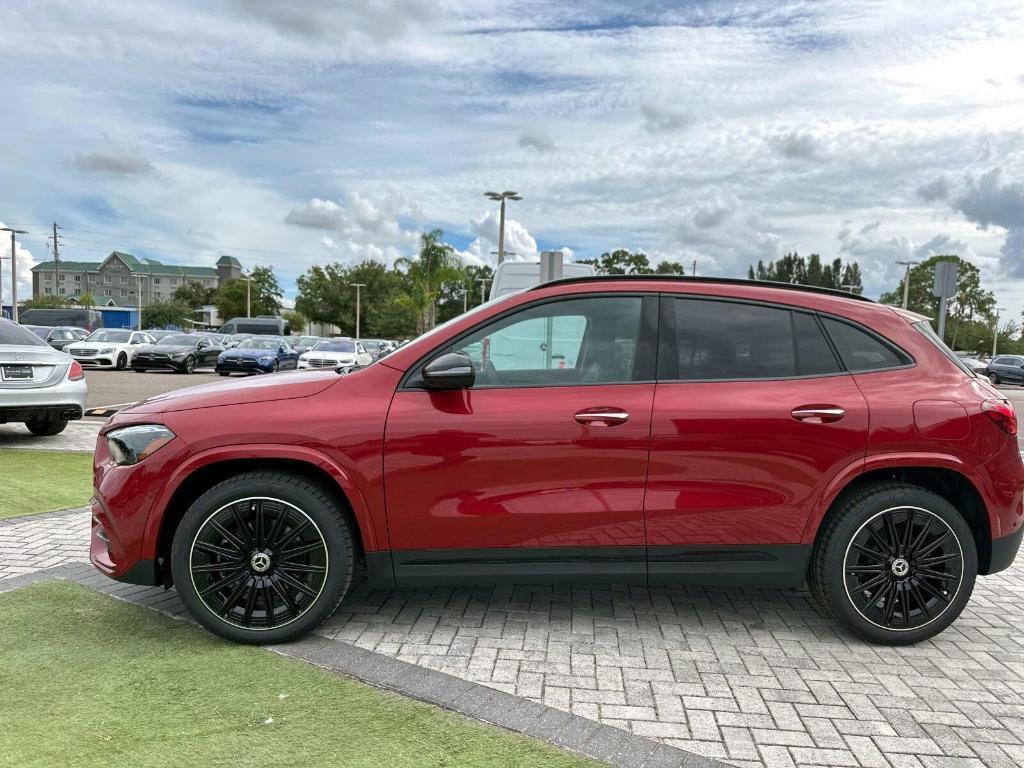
<point>204,471</point>
<point>945,476</point>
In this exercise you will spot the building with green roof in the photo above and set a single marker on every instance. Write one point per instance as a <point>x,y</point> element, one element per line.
<point>116,278</point>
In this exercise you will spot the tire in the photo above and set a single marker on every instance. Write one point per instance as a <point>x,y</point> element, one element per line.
<point>122,361</point>
<point>276,366</point>
<point>139,370</point>
<point>46,427</point>
<point>223,373</point>
<point>190,364</point>
<point>296,510</point>
<point>994,378</point>
<point>854,552</point>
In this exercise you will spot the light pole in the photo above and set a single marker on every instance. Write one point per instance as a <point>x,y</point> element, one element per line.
<point>138,295</point>
<point>502,196</point>
<point>358,287</point>
<point>995,332</point>
<point>248,295</point>
<point>14,269</point>
<point>465,300</point>
<point>906,279</point>
<point>483,287</point>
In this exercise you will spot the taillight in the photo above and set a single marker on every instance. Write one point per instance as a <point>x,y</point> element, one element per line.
<point>76,373</point>
<point>1002,413</point>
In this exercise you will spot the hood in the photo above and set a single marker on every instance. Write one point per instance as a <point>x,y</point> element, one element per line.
<point>165,349</point>
<point>331,355</point>
<point>98,344</point>
<point>249,353</point>
<point>261,389</point>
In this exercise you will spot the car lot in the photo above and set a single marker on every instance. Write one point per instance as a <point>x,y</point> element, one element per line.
<point>120,387</point>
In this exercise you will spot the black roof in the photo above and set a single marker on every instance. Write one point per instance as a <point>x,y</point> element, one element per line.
<point>709,280</point>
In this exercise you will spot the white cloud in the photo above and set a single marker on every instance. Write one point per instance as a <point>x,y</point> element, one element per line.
<point>798,145</point>
<point>117,162</point>
<point>659,119</point>
<point>536,140</point>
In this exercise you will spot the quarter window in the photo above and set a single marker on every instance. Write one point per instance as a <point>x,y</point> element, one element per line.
<point>576,341</point>
<point>861,351</point>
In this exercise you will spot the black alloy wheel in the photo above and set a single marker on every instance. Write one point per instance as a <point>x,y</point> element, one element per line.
<point>263,557</point>
<point>903,568</point>
<point>190,364</point>
<point>259,563</point>
<point>122,361</point>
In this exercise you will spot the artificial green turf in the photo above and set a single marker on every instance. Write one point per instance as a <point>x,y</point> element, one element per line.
<point>42,481</point>
<point>87,680</point>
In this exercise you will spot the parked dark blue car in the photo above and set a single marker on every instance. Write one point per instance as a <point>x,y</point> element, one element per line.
<point>258,354</point>
<point>1008,369</point>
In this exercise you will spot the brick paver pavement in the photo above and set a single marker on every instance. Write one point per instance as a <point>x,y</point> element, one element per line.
<point>755,677</point>
<point>78,436</point>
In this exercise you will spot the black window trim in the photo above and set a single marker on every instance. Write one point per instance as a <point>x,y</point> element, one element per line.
<point>667,339</point>
<point>647,343</point>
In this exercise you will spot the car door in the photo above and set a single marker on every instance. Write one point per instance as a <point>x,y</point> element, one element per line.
<point>753,416</point>
<point>538,469</point>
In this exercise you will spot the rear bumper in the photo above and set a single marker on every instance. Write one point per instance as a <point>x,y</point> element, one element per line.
<point>63,400</point>
<point>1004,550</point>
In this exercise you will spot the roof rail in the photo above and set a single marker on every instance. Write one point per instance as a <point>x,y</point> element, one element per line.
<point>709,280</point>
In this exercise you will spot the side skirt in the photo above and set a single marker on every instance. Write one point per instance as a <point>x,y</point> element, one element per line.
<point>771,566</point>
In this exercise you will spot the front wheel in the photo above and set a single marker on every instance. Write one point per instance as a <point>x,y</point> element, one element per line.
<point>122,361</point>
<point>190,364</point>
<point>896,563</point>
<point>263,557</point>
<point>994,378</point>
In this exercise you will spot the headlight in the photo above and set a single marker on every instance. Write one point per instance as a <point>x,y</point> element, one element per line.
<point>130,445</point>
<point>106,350</point>
<point>266,360</point>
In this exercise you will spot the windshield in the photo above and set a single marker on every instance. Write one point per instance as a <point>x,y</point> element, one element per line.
<point>335,346</point>
<point>178,340</point>
<point>15,334</point>
<point>308,341</point>
<point>259,344</point>
<point>115,337</point>
<point>371,345</point>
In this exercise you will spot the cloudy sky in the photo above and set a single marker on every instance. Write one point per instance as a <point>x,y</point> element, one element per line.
<point>290,134</point>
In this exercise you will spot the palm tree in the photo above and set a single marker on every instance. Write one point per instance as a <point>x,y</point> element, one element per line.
<point>86,300</point>
<point>435,265</point>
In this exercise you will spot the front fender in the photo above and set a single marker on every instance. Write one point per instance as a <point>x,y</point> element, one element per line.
<point>374,538</point>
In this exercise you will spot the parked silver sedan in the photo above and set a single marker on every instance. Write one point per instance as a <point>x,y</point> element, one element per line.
<point>39,386</point>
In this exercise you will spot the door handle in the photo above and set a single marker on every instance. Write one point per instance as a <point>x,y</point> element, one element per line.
<point>601,416</point>
<point>818,414</point>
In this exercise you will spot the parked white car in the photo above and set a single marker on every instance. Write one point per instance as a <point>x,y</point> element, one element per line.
<point>332,353</point>
<point>109,348</point>
<point>39,386</point>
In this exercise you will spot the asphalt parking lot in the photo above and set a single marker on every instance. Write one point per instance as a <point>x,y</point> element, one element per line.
<point>120,387</point>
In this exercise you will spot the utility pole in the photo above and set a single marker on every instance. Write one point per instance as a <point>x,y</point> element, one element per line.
<point>502,196</point>
<point>56,256</point>
<point>465,299</point>
<point>483,287</point>
<point>906,279</point>
<point>358,287</point>
<point>14,269</point>
<point>995,333</point>
<point>248,295</point>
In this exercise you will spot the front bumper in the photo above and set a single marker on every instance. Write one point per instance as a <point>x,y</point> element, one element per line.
<point>168,364</point>
<point>101,361</point>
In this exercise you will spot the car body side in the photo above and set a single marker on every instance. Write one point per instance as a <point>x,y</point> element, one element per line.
<point>931,427</point>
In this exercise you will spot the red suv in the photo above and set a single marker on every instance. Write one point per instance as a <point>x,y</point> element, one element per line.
<point>647,430</point>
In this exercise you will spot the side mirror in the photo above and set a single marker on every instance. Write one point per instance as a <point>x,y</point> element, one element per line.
<point>453,370</point>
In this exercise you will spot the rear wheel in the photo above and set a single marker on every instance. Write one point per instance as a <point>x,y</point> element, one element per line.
<point>46,427</point>
<point>896,564</point>
<point>263,557</point>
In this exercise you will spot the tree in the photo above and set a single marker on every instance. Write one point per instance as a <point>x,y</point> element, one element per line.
<point>296,320</point>
<point>166,314</point>
<point>795,269</point>
<point>623,262</point>
<point>435,265</point>
<point>195,295</point>
<point>325,295</point>
<point>669,268</point>
<point>42,302</point>
<point>969,306</point>
<point>450,298</point>
<point>265,295</point>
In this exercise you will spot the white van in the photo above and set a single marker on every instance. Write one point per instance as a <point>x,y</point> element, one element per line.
<point>517,276</point>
